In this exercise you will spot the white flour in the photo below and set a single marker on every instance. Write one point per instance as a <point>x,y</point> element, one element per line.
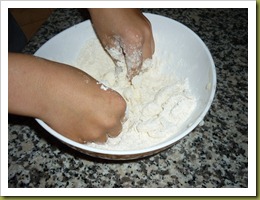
<point>157,103</point>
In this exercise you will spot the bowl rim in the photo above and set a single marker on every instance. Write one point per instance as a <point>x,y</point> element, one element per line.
<point>156,147</point>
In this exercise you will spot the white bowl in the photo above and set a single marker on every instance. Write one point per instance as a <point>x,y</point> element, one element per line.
<point>190,59</point>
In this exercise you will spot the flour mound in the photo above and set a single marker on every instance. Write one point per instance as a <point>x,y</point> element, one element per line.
<point>157,103</point>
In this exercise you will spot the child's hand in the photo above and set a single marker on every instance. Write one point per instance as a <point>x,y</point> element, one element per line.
<point>67,99</point>
<point>126,30</point>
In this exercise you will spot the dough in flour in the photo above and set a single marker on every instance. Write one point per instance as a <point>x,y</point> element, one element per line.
<point>157,103</point>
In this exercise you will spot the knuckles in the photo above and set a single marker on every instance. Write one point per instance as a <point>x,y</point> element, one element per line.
<point>109,121</point>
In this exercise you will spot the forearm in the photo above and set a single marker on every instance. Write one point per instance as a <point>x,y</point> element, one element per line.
<point>25,85</point>
<point>112,12</point>
<point>66,98</point>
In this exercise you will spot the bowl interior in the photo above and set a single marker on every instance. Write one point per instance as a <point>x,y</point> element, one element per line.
<point>175,43</point>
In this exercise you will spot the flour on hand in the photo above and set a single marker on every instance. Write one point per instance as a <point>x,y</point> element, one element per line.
<point>157,103</point>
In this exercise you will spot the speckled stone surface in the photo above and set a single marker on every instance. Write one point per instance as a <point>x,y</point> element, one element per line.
<point>212,155</point>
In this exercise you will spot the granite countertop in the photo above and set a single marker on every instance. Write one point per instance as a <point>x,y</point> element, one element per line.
<point>212,155</point>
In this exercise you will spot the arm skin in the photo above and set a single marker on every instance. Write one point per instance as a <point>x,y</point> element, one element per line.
<point>127,28</point>
<point>67,99</point>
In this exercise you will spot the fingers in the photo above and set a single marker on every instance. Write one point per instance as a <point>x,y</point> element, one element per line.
<point>131,51</point>
<point>102,137</point>
<point>99,137</point>
<point>134,56</point>
<point>134,48</point>
<point>115,131</point>
<point>109,122</point>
